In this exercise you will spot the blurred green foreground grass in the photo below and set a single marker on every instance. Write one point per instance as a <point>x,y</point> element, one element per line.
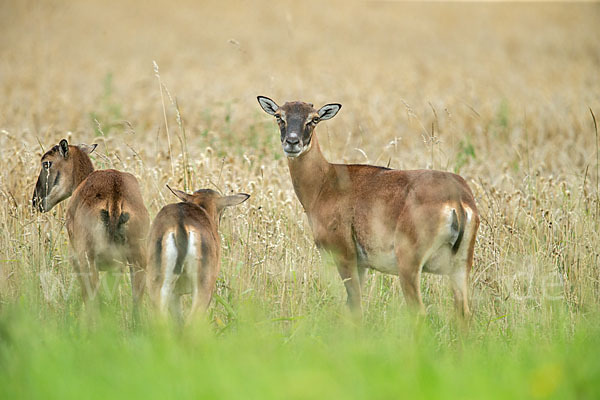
<point>320,356</point>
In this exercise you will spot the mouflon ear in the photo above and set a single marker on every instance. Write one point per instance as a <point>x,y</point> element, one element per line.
<point>329,111</point>
<point>63,148</point>
<point>87,148</point>
<point>233,200</point>
<point>268,105</point>
<point>180,194</point>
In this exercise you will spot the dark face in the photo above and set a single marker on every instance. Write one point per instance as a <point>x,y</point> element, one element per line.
<point>297,121</point>
<point>50,189</point>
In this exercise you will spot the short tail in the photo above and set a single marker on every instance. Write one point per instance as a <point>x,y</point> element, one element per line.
<point>458,225</point>
<point>115,221</point>
<point>181,241</point>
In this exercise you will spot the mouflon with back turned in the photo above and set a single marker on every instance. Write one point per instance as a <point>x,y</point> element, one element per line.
<point>392,221</point>
<point>106,219</point>
<point>184,250</point>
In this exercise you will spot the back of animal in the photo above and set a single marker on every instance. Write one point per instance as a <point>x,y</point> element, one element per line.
<point>114,199</point>
<point>181,231</point>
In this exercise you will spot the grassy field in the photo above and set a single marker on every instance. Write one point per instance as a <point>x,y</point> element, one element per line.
<point>499,93</point>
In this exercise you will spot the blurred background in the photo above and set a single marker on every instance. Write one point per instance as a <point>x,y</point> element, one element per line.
<point>487,72</point>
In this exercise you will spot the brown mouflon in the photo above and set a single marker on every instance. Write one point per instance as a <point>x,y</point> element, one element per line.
<point>397,222</point>
<point>106,220</point>
<point>184,249</point>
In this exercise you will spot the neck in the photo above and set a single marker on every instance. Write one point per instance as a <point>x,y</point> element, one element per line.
<point>82,167</point>
<point>309,173</point>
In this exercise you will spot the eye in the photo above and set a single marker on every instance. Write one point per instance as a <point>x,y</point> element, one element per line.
<point>315,120</point>
<point>46,164</point>
<point>278,118</point>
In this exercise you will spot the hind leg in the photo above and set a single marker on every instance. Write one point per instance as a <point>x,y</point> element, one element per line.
<point>410,281</point>
<point>200,301</point>
<point>163,279</point>
<point>459,284</point>
<point>167,292</point>
<point>154,283</point>
<point>154,274</point>
<point>87,274</point>
<point>137,272</point>
<point>138,281</point>
<point>203,285</point>
<point>409,270</point>
<point>444,262</point>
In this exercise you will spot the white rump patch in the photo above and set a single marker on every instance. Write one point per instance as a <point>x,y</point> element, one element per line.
<point>191,259</point>
<point>169,260</point>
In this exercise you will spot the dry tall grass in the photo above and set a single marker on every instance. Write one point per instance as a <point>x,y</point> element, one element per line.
<point>499,93</point>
